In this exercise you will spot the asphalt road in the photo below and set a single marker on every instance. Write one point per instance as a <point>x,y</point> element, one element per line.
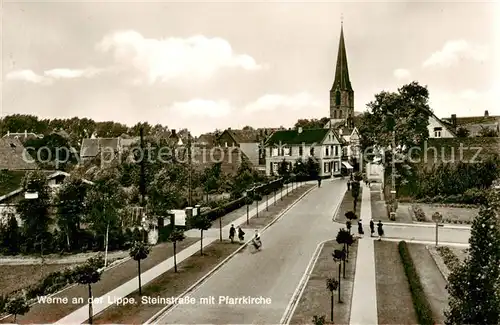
<point>272,273</point>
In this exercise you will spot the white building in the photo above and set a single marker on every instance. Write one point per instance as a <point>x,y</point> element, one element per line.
<point>292,145</point>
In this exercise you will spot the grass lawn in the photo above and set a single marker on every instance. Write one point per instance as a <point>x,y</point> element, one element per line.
<point>50,313</point>
<point>10,181</point>
<point>16,277</point>
<point>316,298</point>
<point>169,284</point>
<point>347,204</point>
<point>394,302</point>
<point>432,280</point>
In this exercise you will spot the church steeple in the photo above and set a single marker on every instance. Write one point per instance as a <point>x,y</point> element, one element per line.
<point>341,93</point>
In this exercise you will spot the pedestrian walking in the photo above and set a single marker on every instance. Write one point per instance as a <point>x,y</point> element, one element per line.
<point>232,232</point>
<point>372,227</point>
<point>380,229</point>
<point>351,177</point>
<point>241,235</point>
<point>319,182</point>
<point>349,185</point>
<point>360,228</point>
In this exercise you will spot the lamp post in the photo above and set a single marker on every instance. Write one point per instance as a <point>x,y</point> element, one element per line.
<point>437,218</point>
<point>33,195</point>
<point>245,194</point>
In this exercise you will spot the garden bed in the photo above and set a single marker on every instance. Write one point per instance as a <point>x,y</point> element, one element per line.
<point>394,301</point>
<point>111,279</point>
<point>452,215</point>
<point>169,284</point>
<point>315,299</point>
<point>347,204</point>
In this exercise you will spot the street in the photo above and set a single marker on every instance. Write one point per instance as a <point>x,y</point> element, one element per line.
<point>272,273</point>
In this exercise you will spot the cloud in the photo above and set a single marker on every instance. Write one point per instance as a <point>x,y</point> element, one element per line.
<point>401,74</point>
<point>173,58</point>
<point>49,76</point>
<point>272,102</point>
<point>71,73</point>
<point>468,102</point>
<point>24,75</point>
<point>200,108</point>
<point>455,51</point>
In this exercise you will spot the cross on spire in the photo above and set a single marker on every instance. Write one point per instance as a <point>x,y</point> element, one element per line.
<point>342,19</point>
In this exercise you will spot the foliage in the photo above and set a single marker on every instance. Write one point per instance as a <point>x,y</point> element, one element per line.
<point>449,258</point>
<point>332,284</point>
<point>139,251</point>
<point>420,302</point>
<point>57,153</point>
<point>474,292</point>
<point>350,215</point>
<point>344,237</point>
<point>245,177</point>
<point>404,114</point>
<point>488,132</point>
<point>312,123</point>
<point>312,168</point>
<point>17,306</point>
<point>200,222</point>
<point>462,132</point>
<point>165,194</point>
<point>419,213</point>
<point>213,178</point>
<point>71,209</point>
<point>284,169</point>
<point>35,213</point>
<point>10,236</point>
<point>358,176</point>
<point>300,169</point>
<point>89,272</point>
<point>468,179</point>
<point>319,320</point>
<point>176,236</point>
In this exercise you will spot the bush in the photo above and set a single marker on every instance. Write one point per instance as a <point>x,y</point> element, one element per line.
<point>420,303</point>
<point>449,258</point>
<point>419,213</point>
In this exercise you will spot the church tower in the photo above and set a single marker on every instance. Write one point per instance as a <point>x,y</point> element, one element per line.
<point>341,94</point>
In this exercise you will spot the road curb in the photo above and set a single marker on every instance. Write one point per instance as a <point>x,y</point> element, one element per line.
<point>165,310</point>
<point>299,291</point>
<point>425,242</point>
<point>426,225</point>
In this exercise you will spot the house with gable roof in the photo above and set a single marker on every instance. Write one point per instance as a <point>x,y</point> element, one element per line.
<point>291,145</point>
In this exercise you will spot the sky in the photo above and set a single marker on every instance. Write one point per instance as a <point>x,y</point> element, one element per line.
<point>206,65</point>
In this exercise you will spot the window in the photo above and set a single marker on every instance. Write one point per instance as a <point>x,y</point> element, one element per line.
<point>274,152</point>
<point>325,167</point>
<point>331,149</point>
<point>274,168</point>
<point>437,132</point>
<point>311,152</point>
<point>225,144</point>
<point>337,98</point>
<point>301,151</point>
<point>340,114</point>
<point>335,114</point>
<point>286,151</point>
<point>327,152</point>
<point>336,150</point>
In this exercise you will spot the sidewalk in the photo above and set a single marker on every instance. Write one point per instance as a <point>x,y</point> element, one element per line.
<point>364,298</point>
<point>81,315</point>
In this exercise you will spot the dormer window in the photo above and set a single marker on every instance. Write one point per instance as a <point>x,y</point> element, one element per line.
<point>437,132</point>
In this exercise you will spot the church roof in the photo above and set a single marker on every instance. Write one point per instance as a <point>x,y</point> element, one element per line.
<point>342,80</point>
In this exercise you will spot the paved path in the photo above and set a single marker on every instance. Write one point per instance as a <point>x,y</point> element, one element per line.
<point>81,315</point>
<point>272,273</point>
<point>364,297</point>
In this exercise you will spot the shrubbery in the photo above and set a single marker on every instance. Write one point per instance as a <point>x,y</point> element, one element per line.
<point>419,213</point>
<point>420,302</point>
<point>449,258</point>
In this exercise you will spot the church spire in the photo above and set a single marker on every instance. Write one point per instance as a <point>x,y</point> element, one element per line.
<point>342,81</point>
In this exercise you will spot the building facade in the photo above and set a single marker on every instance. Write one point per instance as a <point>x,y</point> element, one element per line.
<point>325,145</point>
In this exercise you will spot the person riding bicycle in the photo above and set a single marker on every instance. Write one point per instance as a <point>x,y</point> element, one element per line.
<point>256,241</point>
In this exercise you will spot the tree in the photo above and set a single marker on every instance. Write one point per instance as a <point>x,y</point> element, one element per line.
<point>404,114</point>
<point>312,123</point>
<point>284,169</point>
<point>10,236</point>
<point>319,320</point>
<point>17,306</point>
<point>355,189</point>
<point>462,132</point>
<point>331,284</point>
<point>87,274</point>
<point>339,256</point>
<point>346,239</point>
<point>200,222</point>
<point>57,153</point>
<point>70,202</point>
<point>35,213</point>
<point>176,236</point>
<point>212,178</point>
<point>300,169</point>
<point>487,132</point>
<point>350,216</point>
<point>474,292</point>
<point>312,167</point>
<point>138,252</point>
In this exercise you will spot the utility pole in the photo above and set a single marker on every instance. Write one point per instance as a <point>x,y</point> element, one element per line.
<point>142,185</point>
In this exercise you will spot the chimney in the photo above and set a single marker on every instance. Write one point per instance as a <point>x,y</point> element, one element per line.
<point>229,129</point>
<point>300,129</point>
<point>174,133</point>
<point>486,114</point>
<point>454,120</point>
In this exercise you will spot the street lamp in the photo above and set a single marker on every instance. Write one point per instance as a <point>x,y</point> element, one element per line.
<point>33,195</point>
<point>245,194</point>
<point>437,218</point>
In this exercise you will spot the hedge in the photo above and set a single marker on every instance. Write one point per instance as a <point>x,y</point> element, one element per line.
<point>420,302</point>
